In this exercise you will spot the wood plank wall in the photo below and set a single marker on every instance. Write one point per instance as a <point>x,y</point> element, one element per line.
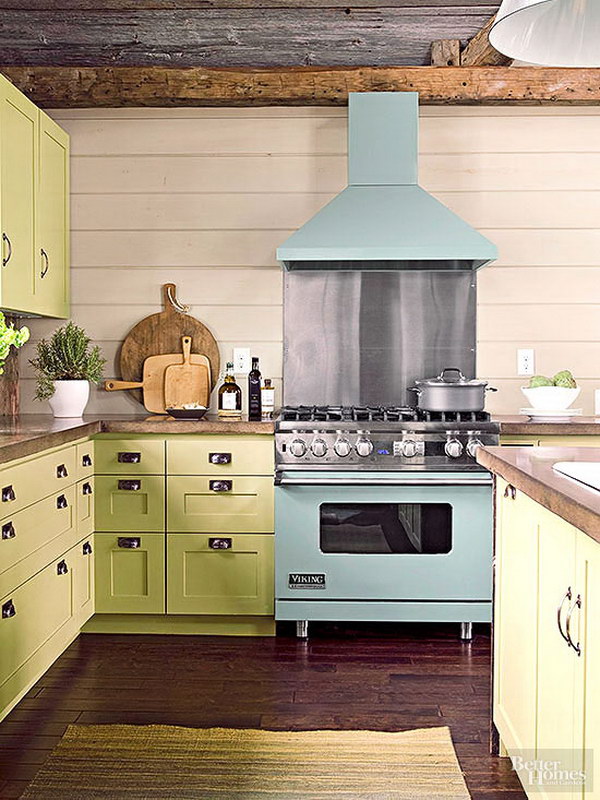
<point>202,197</point>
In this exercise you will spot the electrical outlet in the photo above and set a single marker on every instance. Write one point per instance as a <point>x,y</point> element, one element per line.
<point>241,360</point>
<point>525,361</point>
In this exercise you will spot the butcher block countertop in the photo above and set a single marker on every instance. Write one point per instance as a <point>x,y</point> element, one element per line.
<point>31,433</point>
<point>522,426</point>
<point>530,470</point>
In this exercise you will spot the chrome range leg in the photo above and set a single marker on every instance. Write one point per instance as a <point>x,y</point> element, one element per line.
<point>466,631</point>
<point>302,629</point>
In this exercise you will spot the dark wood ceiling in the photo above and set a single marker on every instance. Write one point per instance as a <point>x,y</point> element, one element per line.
<point>232,33</point>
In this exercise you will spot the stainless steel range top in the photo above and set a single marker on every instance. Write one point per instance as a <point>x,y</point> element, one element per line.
<point>380,438</point>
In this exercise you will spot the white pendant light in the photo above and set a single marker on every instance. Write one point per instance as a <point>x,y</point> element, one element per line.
<point>553,33</point>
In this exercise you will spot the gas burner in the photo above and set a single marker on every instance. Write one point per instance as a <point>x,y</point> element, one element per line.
<point>454,416</point>
<point>396,414</point>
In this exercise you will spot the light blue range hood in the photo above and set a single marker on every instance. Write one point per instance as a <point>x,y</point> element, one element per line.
<point>383,220</point>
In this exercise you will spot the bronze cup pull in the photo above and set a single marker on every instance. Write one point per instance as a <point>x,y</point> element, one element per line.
<point>129,458</point>
<point>220,486</point>
<point>62,568</point>
<point>86,460</point>
<point>8,531</point>
<point>62,502</point>
<point>129,542</point>
<point>8,610</point>
<point>219,458</point>
<point>220,543</point>
<point>129,486</point>
<point>8,494</point>
<point>86,549</point>
<point>61,471</point>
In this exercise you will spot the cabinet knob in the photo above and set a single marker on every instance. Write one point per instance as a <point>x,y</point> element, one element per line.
<point>8,609</point>
<point>129,458</point>
<point>61,471</point>
<point>219,458</point>
<point>8,531</point>
<point>8,494</point>
<point>62,568</point>
<point>86,488</point>
<point>129,542</point>
<point>62,502</point>
<point>129,486</point>
<point>219,543</point>
<point>87,549</point>
<point>86,460</point>
<point>220,486</point>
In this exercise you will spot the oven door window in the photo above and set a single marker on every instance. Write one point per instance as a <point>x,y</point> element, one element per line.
<point>406,528</point>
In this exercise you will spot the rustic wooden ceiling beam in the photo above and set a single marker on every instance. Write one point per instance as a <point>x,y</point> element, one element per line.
<point>480,53</point>
<point>445,53</point>
<point>110,87</point>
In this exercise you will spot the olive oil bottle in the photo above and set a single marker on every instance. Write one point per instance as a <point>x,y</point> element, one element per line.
<point>254,395</point>
<point>230,396</point>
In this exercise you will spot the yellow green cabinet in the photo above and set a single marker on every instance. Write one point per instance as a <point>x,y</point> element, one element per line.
<point>85,497</point>
<point>218,574</point>
<point>129,457</point>
<point>27,482</point>
<point>130,503</point>
<point>130,573</point>
<point>204,504</point>
<point>220,455</point>
<point>81,560</point>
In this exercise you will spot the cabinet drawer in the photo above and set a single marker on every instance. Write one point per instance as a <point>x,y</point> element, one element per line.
<point>221,455</point>
<point>209,574</point>
<point>236,504</point>
<point>129,457</point>
<point>30,617</point>
<point>129,503</point>
<point>85,503</point>
<point>85,460</point>
<point>26,483</point>
<point>130,573</point>
<point>81,559</point>
<point>30,538</point>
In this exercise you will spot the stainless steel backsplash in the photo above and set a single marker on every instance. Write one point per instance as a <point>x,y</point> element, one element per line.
<point>363,338</point>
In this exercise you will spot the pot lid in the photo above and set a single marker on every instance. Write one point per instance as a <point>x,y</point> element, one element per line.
<point>451,376</point>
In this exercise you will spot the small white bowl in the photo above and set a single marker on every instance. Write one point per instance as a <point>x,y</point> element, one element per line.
<point>551,398</point>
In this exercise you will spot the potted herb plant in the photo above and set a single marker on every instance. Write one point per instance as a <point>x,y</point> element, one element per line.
<point>10,337</point>
<point>65,365</point>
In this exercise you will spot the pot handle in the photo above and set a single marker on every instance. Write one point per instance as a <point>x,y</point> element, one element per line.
<point>491,389</point>
<point>461,377</point>
<point>415,389</point>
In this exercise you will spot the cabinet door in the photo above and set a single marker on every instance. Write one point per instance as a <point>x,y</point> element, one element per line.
<point>130,573</point>
<point>515,618</point>
<point>219,574</point>
<point>18,177</point>
<point>81,557</point>
<point>52,250</point>
<point>129,503</point>
<point>557,661</point>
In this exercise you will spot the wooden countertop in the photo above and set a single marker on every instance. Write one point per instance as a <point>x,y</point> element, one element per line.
<point>31,433</point>
<point>522,426</point>
<point>530,470</point>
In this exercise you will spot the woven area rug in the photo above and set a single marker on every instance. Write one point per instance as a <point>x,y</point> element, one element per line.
<point>157,761</point>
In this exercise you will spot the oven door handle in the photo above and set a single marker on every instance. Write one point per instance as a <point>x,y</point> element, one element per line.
<point>483,481</point>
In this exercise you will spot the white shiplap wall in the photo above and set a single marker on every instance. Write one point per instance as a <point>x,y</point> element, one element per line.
<point>202,197</point>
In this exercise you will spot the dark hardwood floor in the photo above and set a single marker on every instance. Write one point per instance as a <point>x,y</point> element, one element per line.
<point>380,677</point>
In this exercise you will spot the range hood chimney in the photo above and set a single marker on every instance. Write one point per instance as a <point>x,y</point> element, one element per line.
<point>383,220</point>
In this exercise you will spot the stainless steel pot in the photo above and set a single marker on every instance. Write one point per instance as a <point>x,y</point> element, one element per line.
<point>451,391</point>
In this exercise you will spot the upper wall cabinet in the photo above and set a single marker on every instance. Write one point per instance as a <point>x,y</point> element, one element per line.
<point>34,198</point>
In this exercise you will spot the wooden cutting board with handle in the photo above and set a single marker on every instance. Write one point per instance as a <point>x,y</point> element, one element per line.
<point>152,383</point>
<point>187,382</point>
<point>161,334</point>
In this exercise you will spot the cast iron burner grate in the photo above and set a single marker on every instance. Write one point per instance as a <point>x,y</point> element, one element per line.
<point>376,414</point>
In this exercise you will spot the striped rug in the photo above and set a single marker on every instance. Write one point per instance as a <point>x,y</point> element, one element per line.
<point>114,762</point>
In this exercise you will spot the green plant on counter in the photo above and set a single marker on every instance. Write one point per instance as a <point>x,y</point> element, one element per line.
<point>10,337</point>
<point>67,356</point>
<point>563,378</point>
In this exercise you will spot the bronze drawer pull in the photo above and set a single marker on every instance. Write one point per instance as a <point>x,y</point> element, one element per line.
<point>86,460</point>
<point>86,549</point>
<point>220,543</point>
<point>568,596</point>
<point>510,491</point>
<point>62,568</point>
<point>86,488</point>
<point>8,531</point>
<point>61,471</point>
<point>220,486</point>
<point>129,458</point>
<point>46,266</point>
<point>576,604</point>
<point>219,458</point>
<point>8,610</point>
<point>129,542</point>
<point>9,243</point>
<point>62,502</point>
<point>129,486</point>
<point>8,494</point>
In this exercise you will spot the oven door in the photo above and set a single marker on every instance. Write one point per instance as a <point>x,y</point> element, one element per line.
<point>384,536</point>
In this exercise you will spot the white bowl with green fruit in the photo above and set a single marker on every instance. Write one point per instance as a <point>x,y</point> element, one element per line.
<point>552,394</point>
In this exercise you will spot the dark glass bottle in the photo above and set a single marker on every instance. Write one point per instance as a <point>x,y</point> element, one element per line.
<point>254,398</point>
<point>230,395</point>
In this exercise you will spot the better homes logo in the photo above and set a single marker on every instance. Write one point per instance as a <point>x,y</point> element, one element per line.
<point>306,580</point>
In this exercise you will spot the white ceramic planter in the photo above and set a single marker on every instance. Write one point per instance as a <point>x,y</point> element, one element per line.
<point>70,398</point>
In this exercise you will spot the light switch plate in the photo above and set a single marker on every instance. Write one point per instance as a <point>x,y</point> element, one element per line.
<point>241,360</point>
<point>525,361</point>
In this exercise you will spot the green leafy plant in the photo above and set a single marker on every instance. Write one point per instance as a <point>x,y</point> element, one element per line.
<point>10,337</point>
<point>67,356</point>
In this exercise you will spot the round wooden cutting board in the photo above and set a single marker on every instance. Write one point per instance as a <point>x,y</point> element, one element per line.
<point>160,334</point>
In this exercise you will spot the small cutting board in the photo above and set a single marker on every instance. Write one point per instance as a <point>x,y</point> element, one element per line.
<point>152,383</point>
<point>187,381</point>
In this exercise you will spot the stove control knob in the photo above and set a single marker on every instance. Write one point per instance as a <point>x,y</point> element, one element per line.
<point>318,447</point>
<point>473,446</point>
<point>297,448</point>
<point>409,448</point>
<point>364,447</point>
<point>342,447</point>
<point>453,448</point>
